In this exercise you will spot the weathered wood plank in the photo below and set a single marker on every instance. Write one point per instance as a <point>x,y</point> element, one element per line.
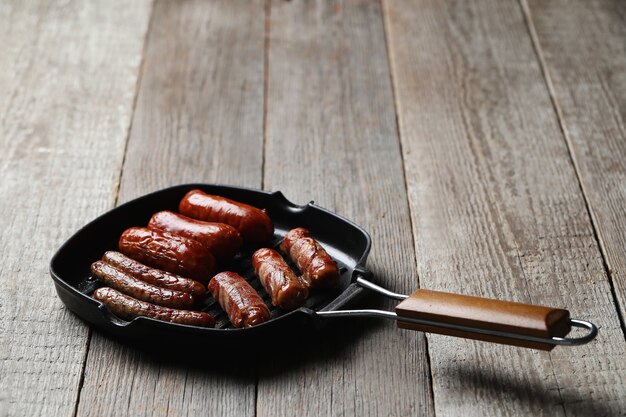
<point>199,118</point>
<point>332,137</point>
<point>584,56</point>
<point>497,210</point>
<point>68,73</point>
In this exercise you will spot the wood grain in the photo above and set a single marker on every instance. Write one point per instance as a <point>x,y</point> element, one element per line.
<point>497,210</point>
<point>199,118</point>
<point>68,73</point>
<point>584,56</point>
<point>332,138</point>
<point>200,109</point>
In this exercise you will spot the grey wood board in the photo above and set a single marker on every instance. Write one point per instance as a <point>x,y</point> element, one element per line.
<point>198,118</point>
<point>584,56</point>
<point>68,73</point>
<point>331,137</point>
<point>497,209</point>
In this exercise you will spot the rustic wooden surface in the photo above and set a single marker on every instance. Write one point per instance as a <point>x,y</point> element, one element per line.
<point>582,54</point>
<point>497,209</point>
<point>481,143</point>
<point>68,73</point>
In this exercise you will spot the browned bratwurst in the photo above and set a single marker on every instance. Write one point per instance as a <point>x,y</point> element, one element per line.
<point>284,287</point>
<point>172,253</point>
<point>139,289</point>
<point>128,308</point>
<point>221,239</point>
<point>254,224</point>
<point>154,276</point>
<point>244,306</point>
<point>318,269</point>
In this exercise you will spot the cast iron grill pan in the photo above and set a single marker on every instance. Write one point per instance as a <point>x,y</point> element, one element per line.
<point>70,266</point>
<point>431,311</point>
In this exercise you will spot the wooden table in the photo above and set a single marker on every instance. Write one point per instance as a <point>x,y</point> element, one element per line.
<point>481,143</point>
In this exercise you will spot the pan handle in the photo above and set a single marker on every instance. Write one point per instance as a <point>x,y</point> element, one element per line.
<point>477,318</point>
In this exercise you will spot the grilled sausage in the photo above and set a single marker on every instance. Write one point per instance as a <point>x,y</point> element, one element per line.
<point>141,290</point>
<point>154,276</point>
<point>254,224</point>
<point>128,308</point>
<point>172,253</point>
<point>318,269</point>
<point>284,287</point>
<point>245,308</point>
<point>292,236</point>
<point>222,240</point>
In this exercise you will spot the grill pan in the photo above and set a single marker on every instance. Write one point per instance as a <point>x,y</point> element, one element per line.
<point>347,243</point>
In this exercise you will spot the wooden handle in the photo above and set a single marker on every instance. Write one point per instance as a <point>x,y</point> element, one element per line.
<point>484,313</point>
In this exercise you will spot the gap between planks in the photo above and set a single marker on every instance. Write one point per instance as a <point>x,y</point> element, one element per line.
<point>116,190</point>
<point>536,43</point>
<point>266,71</point>
<point>390,63</point>
<point>267,9</point>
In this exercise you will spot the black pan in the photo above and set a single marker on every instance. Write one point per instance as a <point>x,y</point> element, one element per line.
<point>70,266</point>
<point>345,241</point>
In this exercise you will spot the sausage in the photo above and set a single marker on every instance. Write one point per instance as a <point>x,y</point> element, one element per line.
<point>245,308</point>
<point>128,308</point>
<point>172,253</point>
<point>154,276</point>
<point>254,224</point>
<point>141,290</point>
<point>292,236</point>
<point>284,287</point>
<point>222,240</point>
<point>318,269</point>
